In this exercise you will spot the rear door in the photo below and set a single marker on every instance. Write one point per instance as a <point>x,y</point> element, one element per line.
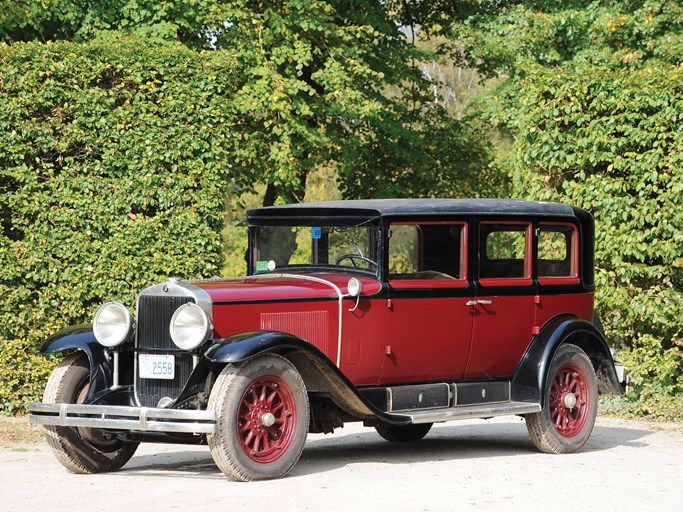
<point>504,305</point>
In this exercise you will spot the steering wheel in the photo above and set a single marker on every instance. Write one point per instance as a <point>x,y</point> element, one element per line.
<point>353,258</point>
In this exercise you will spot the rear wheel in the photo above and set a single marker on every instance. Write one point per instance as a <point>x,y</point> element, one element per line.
<point>262,418</point>
<point>81,450</point>
<point>403,433</point>
<point>566,422</point>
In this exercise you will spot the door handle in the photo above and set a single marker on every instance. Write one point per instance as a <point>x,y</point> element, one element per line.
<point>483,302</point>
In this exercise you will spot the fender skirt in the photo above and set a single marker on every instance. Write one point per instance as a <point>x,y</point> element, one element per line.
<point>319,373</point>
<point>530,380</point>
<point>81,337</point>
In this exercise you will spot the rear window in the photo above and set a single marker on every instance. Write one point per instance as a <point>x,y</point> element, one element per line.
<point>557,251</point>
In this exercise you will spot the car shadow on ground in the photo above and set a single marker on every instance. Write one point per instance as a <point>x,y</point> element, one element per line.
<point>443,443</point>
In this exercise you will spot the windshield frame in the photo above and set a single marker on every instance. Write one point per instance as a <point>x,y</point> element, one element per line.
<point>375,246</point>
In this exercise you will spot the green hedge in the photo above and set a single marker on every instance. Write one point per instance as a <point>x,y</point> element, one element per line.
<point>611,141</point>
<point>114,157</point>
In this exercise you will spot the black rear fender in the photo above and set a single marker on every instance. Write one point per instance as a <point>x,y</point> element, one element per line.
<point>531,376</point>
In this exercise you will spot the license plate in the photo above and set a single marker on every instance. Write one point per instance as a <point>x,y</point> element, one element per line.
<point>156,366</point>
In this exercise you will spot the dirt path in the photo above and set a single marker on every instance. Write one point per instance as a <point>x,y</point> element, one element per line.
<point>468,465</point>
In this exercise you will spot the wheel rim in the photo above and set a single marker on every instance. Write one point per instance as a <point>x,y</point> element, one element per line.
<point>266,419</point>
<point>570,401</point>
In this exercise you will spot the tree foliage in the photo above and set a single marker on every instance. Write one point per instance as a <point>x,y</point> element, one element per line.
<point>324,81</point>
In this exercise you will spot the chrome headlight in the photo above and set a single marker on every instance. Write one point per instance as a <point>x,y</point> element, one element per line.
<point>190,326</point>
<point>113,324</point>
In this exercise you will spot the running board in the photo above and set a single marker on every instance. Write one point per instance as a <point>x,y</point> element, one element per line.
<point>468,411</point>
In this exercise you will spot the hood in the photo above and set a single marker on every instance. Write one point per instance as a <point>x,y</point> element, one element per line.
<point>321,285</point>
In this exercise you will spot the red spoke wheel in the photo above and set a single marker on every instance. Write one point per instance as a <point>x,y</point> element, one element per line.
<point>569,401</point>
<point>81,450</point>
<point>266,419</point>
<point>262,418</point>
<point>566,422</point>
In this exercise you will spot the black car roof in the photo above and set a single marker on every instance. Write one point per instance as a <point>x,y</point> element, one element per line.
<point>412,207</point>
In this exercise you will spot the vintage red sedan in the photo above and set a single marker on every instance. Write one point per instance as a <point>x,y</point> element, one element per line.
<point>397,313</point>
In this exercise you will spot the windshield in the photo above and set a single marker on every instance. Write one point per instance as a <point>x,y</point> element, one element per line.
<point>278,247</point>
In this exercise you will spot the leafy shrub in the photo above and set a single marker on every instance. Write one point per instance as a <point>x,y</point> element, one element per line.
<point>114,156</point>
<point>611,141</point>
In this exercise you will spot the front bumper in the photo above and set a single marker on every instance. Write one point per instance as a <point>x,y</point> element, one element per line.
<point>115,417</point>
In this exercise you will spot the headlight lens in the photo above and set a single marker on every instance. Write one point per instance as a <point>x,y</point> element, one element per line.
<point>113,324</point>
<point>190,326</point>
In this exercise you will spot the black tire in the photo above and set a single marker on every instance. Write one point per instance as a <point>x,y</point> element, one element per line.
<point>566,422</point>
<point>81,450</point>
<point>262,416</point>
<point>403,433</point>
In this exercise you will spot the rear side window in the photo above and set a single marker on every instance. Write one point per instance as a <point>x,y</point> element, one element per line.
<point>504,251</point>
<point>557,251</point>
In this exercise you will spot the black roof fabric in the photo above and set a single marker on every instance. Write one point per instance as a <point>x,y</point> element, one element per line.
<point>399,207</point>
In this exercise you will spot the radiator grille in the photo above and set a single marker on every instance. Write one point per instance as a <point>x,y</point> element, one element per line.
<point>154,316</point>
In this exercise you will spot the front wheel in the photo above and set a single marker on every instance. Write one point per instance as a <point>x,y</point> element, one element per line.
<point>81,450</point>
<point>571,404</point>
<point>262,417</point>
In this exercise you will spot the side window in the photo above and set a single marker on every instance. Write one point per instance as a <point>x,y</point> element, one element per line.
<point>427,251</point>
<point>404,247</point>
<point>557,251</point>
<point>504,251</point>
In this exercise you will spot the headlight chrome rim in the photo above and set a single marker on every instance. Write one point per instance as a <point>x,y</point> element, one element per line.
<point>190,326</point>
<point>113,324</point>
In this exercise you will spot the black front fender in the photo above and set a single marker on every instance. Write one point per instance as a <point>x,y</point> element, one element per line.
<point>529,382</point>
<point>81,337</point>
<point>320,374</point>
<point>242,346</point>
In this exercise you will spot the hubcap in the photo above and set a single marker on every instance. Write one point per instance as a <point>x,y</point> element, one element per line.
<point>569,400</point>
<point>266,419</point>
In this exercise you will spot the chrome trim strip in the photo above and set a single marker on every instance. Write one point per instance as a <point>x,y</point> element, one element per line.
<point>143,419</point>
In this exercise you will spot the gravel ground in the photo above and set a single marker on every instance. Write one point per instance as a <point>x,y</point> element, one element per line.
<point>467,465</point>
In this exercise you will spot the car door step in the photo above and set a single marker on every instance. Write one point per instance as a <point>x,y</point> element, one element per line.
<point>469,411</point>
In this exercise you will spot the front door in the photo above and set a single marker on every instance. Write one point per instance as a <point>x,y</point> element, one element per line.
<point>429,322</point>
